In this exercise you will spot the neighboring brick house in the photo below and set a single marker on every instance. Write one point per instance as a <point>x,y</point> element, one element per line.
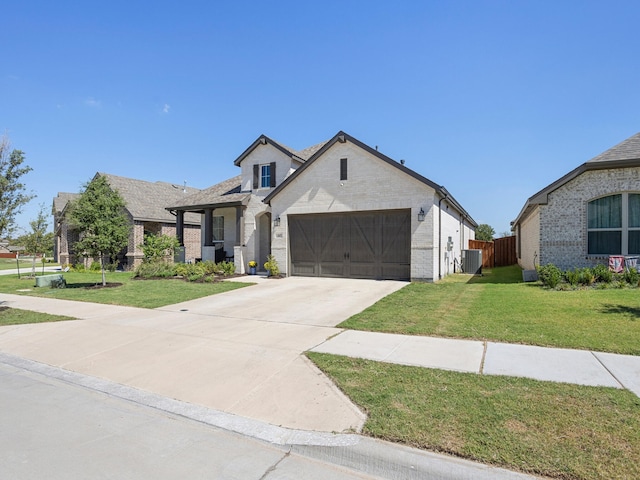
<point>145,202</point>
<point>587,215</point>
<point>337,209</point>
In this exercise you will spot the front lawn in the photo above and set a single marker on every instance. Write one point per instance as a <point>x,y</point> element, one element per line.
<point>499,307</point>
<point>15,316</point>
<point>86,287</point>
<point>544,428</point>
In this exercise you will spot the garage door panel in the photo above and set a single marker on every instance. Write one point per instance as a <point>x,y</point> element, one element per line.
<point>303,254</point>
<point>362,241</point>
<point>396,242</point>
<point>359,245</point>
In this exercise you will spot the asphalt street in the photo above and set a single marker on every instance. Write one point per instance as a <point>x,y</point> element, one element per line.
<point>57,430</point>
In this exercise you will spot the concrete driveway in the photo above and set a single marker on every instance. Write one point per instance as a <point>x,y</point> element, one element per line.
<point>238,352</point>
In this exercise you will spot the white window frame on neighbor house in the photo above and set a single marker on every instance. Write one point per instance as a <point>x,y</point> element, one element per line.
<point>625,221</point>
<point>265,175</point>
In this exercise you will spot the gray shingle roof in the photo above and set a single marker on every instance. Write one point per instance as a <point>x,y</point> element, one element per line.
<point>223,193</point>
<point>308,152</point>
<point>623,155</point>
<point>147,200</point>
<point>628,149</point>
<point>61,200</point>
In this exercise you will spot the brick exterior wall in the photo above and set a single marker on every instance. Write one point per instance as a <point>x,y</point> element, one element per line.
<point>563,220</point>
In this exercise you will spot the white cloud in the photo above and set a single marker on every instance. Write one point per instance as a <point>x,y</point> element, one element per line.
<point>92,102</point>
<point>166,108</point>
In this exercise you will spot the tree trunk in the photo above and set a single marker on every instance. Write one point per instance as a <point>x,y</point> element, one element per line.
<point>104,276</point>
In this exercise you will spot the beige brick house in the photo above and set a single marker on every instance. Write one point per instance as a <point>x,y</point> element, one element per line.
<point>145,202</point>
<point>339,209</point>
<point>587,215</point>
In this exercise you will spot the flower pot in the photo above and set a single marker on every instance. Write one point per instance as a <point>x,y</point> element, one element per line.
<point>252,270</point>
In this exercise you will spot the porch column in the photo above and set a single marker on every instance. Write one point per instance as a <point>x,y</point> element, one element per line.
<point>208,227</point>
<point>180,227</point>
<point>239,225</point>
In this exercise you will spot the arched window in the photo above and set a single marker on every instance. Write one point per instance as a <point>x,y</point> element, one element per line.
<point>613,225</point>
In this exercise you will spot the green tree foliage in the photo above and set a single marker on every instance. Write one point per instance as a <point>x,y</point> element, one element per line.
<point>158,247</point>
<point>101,220</point>
<point>485,232</point>
<point>12,191</point>
<point>34,240</point>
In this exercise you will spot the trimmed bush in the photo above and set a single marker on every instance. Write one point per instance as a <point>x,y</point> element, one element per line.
<point>549,275</point>
<point>157,269</point>
<point>602,273</point>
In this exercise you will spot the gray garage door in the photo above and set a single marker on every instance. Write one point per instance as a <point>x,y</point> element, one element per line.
<point>357,245</point>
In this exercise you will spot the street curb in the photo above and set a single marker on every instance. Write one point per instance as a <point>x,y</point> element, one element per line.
<point>366,455</point>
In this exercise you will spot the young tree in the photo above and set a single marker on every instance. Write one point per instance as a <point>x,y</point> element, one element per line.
<point>34,240</point>
<point>12,191</point>
<point>158,247</point>
<point>101,220</point>
<point>485,232</point>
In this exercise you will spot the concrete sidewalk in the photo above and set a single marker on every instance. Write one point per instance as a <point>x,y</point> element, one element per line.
<point>579,367</point>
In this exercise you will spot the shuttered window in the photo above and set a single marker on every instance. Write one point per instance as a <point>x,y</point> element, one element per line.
<point>343,169</point>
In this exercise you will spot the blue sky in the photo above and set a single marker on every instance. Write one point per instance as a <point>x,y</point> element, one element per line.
<point>492,99</point>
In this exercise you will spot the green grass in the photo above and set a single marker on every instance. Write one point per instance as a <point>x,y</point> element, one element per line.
<point>15,316</point>
<point>134,293</point>
<point>544,428</point>
<point>499,307</point>
<point>10,264</point>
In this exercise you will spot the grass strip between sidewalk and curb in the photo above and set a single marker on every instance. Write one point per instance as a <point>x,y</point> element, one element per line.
<point>16,316</point>
<point>86,287</point>
<point>499,307</point>
<point>542,428</point>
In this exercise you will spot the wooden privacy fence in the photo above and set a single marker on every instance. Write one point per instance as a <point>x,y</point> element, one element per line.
<point>499,253</point>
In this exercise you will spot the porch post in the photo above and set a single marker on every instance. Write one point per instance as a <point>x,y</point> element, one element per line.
<point>239,226</point>
<point>180,227</point>
<point>208,227</point>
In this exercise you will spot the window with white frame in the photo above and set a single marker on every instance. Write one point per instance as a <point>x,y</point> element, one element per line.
<point>613,225</point>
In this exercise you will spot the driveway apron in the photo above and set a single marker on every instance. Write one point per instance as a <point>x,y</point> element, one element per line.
<point>238,352</point>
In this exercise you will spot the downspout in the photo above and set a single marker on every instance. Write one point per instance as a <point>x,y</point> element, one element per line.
<point>440,236</point>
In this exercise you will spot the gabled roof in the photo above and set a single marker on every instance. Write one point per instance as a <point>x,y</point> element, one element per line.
<point>224,194</point>
<point>623,155</point>
<point>343,137</point>
<point>146,201</point>
<point>297,155</point>
<point>61,200</point>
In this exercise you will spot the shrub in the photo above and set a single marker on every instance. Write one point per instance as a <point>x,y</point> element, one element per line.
<point>156,247</point>
<point>573,277</point>
<point>587,277</point>
<point>549,275</point>
<point>271,265</point>
<point>631,276</point>
<point>95,267</point>
<point>210,268</point>
<point>157,269</point>
<point>227,268</point>
<point>602,273</point>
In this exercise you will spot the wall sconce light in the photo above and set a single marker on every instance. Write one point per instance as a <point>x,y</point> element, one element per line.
<point>276,222</point>
<point>421,215</point>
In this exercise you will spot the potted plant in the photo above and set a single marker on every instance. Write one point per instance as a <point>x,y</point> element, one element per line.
<point>252,267</point>
<point>271,265</point>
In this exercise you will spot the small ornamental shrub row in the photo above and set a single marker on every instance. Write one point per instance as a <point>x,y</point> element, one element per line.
<point>193,272</point>
<point>599,276</point>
